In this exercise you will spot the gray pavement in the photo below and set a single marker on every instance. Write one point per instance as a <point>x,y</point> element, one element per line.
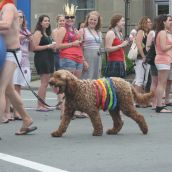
<point>79,151</point>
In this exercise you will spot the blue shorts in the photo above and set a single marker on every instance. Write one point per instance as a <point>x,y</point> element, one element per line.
<point>70,64</point>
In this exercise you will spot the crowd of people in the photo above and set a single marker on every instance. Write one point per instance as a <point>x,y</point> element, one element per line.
<point>78,50</point>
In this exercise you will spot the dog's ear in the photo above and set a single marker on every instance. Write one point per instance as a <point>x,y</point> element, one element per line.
<point>71,84</point>
<point>63,76</point>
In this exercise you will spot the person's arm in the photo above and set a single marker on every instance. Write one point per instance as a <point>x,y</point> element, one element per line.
<point>110,36</point>
<point>149,41</point>
<point>163,39</point>
<point>59,41</point>
<point>7,17</point>
<point>139,39</point>
<point>31,43</point>
<point>36,40</point>
<point>82,32</point>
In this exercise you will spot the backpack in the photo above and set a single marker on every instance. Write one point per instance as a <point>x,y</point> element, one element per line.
<point>133,52</point>
<point>150,56</point>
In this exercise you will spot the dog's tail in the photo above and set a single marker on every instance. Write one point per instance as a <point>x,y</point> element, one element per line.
<point>141,98</point>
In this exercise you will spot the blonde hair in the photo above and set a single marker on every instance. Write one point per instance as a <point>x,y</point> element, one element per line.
<point>96,13</point>
<point>58,17</point>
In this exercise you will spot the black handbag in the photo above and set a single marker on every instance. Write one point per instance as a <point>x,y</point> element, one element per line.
<point>150,56</point>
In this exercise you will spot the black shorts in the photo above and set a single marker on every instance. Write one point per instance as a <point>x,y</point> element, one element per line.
<point>44,63</point>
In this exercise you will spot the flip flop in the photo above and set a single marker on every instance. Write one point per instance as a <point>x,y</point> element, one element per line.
<point>5,121</point>
<point>25,131</point>
<point>168,104</point>
<point>162,109</point>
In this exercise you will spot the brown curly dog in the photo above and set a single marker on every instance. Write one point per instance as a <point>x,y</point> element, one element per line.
<point>81,95</point>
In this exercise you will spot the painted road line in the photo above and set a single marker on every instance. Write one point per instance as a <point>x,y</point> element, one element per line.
<point>34,108</point>
<point>29,164</point>
<point>37,99</point>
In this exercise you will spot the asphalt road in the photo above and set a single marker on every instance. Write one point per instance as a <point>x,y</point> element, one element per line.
<point>79,151</point>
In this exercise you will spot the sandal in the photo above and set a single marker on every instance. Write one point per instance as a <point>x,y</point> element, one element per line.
<point>27,130</point>
<point>168,104</point>
<point>162,109</point>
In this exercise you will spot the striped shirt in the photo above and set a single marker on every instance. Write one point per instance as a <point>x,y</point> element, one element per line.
<point>92,41</point>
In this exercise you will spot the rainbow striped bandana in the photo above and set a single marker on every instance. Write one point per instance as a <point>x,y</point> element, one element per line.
<point>106,94</point>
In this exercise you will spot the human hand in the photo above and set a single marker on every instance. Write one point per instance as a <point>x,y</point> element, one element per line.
<point>85,65</point>
<point>124,43</point>
<point>76,43</point>
<point>52,45</point>
<point>144,60</point>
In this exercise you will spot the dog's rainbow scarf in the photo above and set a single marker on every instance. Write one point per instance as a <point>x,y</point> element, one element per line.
<point>106,94</point>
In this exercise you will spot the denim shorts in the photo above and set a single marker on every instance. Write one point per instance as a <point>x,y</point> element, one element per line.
<point>70,64</point>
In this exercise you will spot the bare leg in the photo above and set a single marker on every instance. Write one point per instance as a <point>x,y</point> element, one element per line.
<point>139,88</point>
<point>153,88</point>
<point>162,81</point>
<point>18,89</point>
<point>117,122</point>
<point>5,78</point>
<point>167,91</point>
<point>7,115</point>
<point>18,105</point>
<point>43,88</point>
<point>6,87</point>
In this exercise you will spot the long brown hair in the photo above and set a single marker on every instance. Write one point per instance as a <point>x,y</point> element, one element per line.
<point>160,23</point>
<point>39,26</point>
<point>142,25</point>
<point>114,20</point>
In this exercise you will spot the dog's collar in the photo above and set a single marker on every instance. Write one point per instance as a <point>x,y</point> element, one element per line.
<point>114,95</point>
<point>98,95</point>
<point>110,104</point>
<point>104,92</point>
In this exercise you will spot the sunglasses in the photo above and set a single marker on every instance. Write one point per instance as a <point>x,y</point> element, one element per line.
<point>69,17</point>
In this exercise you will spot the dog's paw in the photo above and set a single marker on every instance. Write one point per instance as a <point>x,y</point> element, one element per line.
<point>111,132</point>
<point>56,134</point>
<point>97,133</point>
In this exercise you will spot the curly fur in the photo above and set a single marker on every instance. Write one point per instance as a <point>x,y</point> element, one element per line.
<point>80,95</point>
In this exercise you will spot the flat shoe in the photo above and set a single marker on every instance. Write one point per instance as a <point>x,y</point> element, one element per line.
<point>162,109</point>
<point>5,121</point>
<point>27,130</point>
<point>168,104</point>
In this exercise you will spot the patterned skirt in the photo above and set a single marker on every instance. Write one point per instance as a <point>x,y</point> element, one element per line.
<point>115,69</point>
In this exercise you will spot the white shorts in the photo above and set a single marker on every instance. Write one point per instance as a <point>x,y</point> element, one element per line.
<point>10,57</point>
<point>18,78</point>
<point>163,66</point>
<point>141,73</point>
